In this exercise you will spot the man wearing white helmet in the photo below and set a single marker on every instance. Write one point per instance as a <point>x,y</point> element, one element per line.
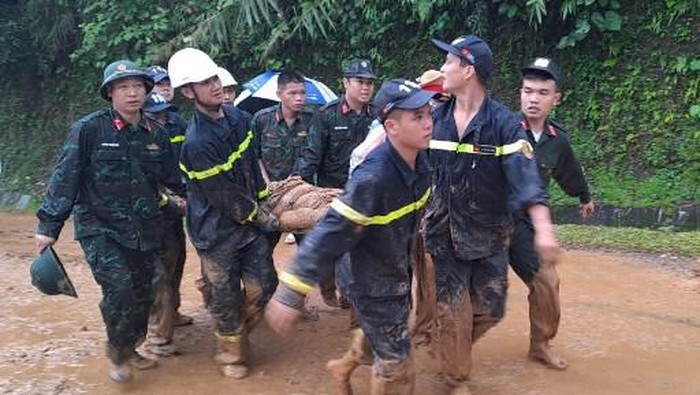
<point>225,219</point>
<point>228,84</point>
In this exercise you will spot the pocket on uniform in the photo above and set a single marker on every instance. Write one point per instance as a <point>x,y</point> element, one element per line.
<point>110,167</point>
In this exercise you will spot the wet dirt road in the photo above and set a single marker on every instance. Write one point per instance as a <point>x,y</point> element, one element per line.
<point>630,325</point>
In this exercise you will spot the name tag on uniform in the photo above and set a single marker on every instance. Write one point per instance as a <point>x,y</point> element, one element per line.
<point>302,133</point>
<point>111,145</point>
<point>340,128</point>
<point>153,147</point>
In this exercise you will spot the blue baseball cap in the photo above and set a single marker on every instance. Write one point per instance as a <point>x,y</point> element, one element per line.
<point>156,103</point>
<point>158,73</point>
<point>401,94</point>
<point>472,49</point>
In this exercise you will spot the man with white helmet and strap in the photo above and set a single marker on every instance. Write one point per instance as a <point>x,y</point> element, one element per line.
<point>225,219</point>
<point>483,164</point>
<point>228,85</point>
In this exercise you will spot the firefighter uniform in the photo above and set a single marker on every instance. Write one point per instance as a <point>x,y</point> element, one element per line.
<point>370,230</point>
<point>225,222</point>
<point>468,222</point>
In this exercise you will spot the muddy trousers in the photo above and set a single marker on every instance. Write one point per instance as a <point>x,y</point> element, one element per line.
<point>471,296</point>
<point>168,277</point>
<point>125,276</point>
<point>541,279</point>
<point>236,312</point>
<point>383,322</point>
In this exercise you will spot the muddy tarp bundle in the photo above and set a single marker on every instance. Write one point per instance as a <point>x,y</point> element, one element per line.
<point>298,205</point>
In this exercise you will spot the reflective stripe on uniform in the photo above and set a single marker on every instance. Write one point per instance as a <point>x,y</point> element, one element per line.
<point>252,215</point>
<point>476,149</point>
<point>262,194</point>
<point>177,139</point>
<point>220,168</point>
<point>228,338</point>
<point>295,283</point>
<point>358,218</point>
<point>163,201</point>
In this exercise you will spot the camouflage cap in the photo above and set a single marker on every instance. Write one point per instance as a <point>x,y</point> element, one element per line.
<point>361,68</point>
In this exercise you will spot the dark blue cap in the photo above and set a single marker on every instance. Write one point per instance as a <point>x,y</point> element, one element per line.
<point>156,103</point>
<point>546,67</point>
<point>472,49</point>
<point>361,68</point>
<point>402,94</point>
<point>158,73</point>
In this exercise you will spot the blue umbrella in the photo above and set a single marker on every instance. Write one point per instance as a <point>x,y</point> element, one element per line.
<point>261,92</point>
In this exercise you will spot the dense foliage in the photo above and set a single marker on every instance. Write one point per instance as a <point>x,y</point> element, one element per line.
<point>631,100</point>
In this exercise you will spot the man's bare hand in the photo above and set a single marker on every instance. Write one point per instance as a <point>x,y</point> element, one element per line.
<point>281,318</point>
<point>546,246</point>
<point>42,242</point>
<point>586,209</point>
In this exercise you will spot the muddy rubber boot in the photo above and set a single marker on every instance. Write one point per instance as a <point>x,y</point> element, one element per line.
<point>139,362</point>
<point>341,368</point>
<point>402,385</point>
<point>183,320</point>
<point>230,354</point>
<point>120,372</point>
<point>545,312</point>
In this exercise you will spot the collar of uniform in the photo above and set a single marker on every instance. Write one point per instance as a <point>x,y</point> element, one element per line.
<point>408,175</point>
<point>120,124</point>
<point>474,124</point>
<point>549,128</point>
<point>345,108</point>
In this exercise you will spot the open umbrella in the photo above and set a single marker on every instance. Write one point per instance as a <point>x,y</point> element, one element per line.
<point>261,92</point>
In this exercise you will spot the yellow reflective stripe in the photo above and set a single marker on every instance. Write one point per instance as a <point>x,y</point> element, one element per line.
<point>262,194</point>
<point>228,338</point>
<point>177,139</point>
<point>220,168</point>
<point>164,199</point>
<point>295,283</point>
<point>488,150</point>
<point>354,216</point>
<point>252,215</point>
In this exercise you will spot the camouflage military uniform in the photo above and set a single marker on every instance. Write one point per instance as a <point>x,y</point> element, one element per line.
<point>278,144</point>
<point>334,132</point>
<point>108,175</point>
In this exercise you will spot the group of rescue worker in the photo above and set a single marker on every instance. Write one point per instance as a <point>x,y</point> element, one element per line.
<point>450,166</point>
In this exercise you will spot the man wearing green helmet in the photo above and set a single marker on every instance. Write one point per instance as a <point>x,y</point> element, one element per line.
<point>108,175</point>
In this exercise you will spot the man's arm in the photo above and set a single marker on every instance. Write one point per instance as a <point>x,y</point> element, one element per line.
<point>568,173</point>
<point>62,191</point>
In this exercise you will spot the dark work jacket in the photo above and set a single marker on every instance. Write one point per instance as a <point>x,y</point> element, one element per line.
<point>473,192</point>
<point>223,178</point>
<point>373,224</point>
<point>556,159</point>
<point>177,127</point>
<point>109,175</point>
<point>334,132</point>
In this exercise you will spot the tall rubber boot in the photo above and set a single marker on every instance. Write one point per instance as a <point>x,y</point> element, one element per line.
<point>231,355</point>
<point>340,369</point>
<point>454,340</point>
<point>401,382</point>
<point>545,312</point>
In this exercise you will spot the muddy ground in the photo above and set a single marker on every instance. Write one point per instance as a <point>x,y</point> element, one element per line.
<point>631,325</point>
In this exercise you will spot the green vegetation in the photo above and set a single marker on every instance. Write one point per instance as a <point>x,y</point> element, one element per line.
<point>630,239</point>
<point>631,98</point>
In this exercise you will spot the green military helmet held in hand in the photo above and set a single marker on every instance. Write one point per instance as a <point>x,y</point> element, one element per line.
<point>49,276</point>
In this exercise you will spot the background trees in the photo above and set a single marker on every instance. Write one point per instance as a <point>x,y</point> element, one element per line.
<point>632,96</point>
